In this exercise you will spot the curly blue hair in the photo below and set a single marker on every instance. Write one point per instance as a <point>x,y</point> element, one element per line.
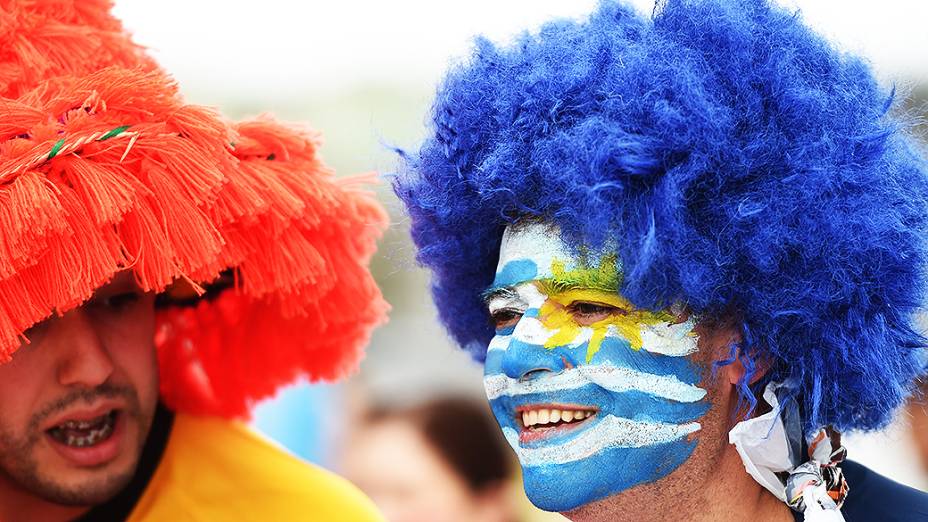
<point>741,164</point>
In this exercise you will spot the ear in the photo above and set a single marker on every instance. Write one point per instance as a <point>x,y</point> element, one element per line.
<point>736,370</point>
<point>725,342</point>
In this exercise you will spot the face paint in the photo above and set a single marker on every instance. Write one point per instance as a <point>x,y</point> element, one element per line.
<point>594,395</point>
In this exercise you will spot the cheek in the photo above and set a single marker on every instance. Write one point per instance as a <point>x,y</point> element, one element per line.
<point>138,361</point>
<point>18,398</point>
<point>26,383</point>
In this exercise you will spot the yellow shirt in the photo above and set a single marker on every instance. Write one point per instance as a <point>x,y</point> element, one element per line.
<point>217,470</point>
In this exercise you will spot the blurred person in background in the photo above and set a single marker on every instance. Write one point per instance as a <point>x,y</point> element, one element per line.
<point>689,249</point>
<point>440,461</point>
<point>161,270</point>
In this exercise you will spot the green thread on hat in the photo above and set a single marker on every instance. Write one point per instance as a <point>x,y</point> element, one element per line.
<point>115,132</point>
<point>56,148</point>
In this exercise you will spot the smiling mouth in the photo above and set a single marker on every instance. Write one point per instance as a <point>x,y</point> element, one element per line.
<point>539,422</point>
<point>85,433</point>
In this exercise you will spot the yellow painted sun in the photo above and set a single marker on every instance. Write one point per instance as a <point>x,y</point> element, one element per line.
<point>563,291</point>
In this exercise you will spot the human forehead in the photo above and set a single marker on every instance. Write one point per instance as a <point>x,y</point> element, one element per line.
<point>537,251</point>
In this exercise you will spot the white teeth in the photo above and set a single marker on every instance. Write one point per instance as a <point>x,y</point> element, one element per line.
<point>542,416</point>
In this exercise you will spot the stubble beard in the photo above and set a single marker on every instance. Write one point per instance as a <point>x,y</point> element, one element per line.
<point>682,494</point>
<point>18,464</point>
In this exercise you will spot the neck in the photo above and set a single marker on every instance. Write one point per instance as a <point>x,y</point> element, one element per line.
<point>18,504</point>
<point>723,491</point>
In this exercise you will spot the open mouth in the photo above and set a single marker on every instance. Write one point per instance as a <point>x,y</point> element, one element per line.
<point>85,433</point>
<point>543,422</point>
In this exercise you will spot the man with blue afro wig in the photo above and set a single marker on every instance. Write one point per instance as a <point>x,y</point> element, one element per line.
<point>689,249</point>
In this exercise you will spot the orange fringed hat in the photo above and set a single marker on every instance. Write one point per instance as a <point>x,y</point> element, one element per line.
<point>104,168</point>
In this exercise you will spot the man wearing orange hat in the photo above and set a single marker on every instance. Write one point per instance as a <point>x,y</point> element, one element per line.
<point>161,270</point>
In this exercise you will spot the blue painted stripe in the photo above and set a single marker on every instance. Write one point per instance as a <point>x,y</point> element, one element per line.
<point>620,353</point>
<point>561,487</point>
<point>515,272</point>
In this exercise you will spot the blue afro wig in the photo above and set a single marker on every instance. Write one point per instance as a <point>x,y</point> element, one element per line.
<point>743,165</point>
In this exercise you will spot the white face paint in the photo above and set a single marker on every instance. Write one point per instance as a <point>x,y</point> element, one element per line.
<point>537,242</point>
<point>607,376</point>
<point>568,342</point>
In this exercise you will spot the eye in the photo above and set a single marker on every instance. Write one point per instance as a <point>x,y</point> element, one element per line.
<point>119,301</point>
<point>36,331</point>
<point>587,313</point>
<point>505,318</point>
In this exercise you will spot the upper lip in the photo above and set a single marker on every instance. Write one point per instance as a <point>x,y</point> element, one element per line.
<point>555,405</point>
<point>84,413</point>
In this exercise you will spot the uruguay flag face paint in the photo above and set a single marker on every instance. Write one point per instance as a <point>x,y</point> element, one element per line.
<point>594,396</point>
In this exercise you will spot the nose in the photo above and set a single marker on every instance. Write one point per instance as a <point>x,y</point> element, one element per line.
<point>527,359</point>
<point>83,359</point>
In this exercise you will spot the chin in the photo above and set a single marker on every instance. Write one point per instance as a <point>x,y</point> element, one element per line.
<point>84,487</point>
<point>94,490</point>
<point>568,486</point>
<point>61,480</point>
<point>560,490</point>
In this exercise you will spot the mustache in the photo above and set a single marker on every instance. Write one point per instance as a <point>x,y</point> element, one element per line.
<point>88,396</point>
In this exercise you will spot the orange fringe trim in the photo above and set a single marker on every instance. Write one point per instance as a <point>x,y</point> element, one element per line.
<point>103,168</point>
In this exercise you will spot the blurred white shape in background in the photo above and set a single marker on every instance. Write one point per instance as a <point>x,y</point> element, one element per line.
<point>273,46</point>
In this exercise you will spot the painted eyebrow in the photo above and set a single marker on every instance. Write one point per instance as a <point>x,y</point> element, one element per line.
<point>498,292</point>
<point>605,276</point>
<point>583,279</point>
